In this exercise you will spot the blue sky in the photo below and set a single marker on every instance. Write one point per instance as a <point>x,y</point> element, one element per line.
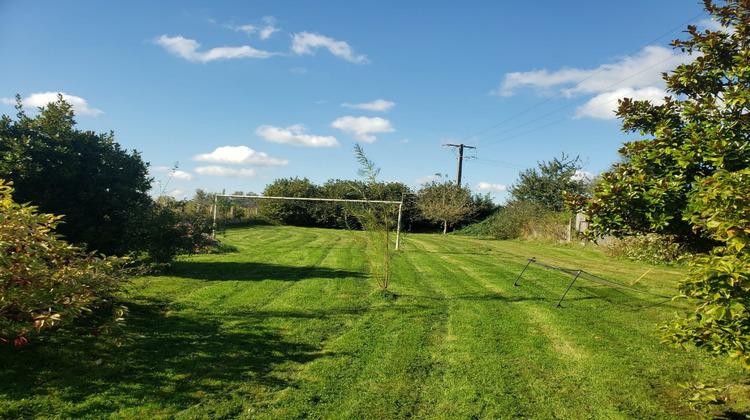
<point>242,93</point>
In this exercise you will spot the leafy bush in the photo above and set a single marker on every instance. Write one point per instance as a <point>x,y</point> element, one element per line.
<point>46,282</point>
<point>516,217</point>
<point>295,213</point>
<point>719,282</point>
<point>484,228</point>
<point>547,227</point>
<point>167,231</point>
<point>652,248</point>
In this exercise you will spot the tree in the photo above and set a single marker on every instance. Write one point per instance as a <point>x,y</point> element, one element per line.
<point>702,128</point>
<point>45,282</point>
<point>294,213</point>
<point>445,202</point>
<point>546,186</point>
<point>100,188</point>
<point>692,179</point>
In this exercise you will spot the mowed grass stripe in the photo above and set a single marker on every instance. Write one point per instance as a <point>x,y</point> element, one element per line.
<point>376,368</point>
<point>479,343</point>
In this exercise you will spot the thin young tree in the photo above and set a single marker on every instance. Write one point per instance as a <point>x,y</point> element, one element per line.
<point>377,220</point>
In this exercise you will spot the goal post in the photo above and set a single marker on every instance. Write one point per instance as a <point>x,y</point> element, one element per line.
<point>340,200</point>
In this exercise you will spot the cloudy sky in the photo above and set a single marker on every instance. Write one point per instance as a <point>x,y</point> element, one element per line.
<point>228,96</point>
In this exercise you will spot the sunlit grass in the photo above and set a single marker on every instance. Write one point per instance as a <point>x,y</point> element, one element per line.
<point>292,326</point>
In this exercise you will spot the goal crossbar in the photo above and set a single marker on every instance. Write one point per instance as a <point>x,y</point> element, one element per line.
<point>582,275</point>
<point>339,200</point>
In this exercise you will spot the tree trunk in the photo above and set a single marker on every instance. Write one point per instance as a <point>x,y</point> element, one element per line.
<point>445,227</point>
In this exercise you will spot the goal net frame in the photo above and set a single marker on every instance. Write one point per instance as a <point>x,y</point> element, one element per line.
<point>339,200</point>
<point>581,274</point>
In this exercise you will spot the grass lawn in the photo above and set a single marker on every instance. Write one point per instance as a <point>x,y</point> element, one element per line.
<point>291,326</point>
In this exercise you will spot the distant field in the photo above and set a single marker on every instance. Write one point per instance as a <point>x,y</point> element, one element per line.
<point>291,326</point>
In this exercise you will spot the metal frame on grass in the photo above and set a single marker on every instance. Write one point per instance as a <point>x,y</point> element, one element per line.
<point>584,275</point>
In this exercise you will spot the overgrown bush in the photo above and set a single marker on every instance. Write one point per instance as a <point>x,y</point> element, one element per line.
<point>652,248</point>
<point>483,228</point>
<point>168,229</point>
<point>46,282</point>
<point>514,217</point>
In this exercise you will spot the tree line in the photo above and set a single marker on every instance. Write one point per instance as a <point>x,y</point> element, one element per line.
<point>436,205</point>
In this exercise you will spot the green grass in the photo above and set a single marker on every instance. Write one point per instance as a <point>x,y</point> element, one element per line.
<point>291,326</point>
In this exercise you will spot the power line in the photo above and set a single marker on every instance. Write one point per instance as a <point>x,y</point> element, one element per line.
<point>682,25</point>
<point>591,95</point>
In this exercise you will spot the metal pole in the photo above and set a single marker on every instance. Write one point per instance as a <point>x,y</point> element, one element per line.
<point>531,260</point>
<point>216,201</point>
<point>398,224</point>
<point>460,162</point>
<point>568,289</point>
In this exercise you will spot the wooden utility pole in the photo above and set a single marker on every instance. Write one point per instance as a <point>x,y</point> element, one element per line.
<point>460,159</point>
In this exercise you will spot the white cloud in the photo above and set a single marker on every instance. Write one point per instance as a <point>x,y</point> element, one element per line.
<point>637,71</point>
<point>225,172</point>
<point>377,105</point>
<point>638,74</point>
<point>603,106</point>
<point>173,173</point>
<point>582,176</point>
<point>263,32</point>
<point>188,49</point>
<point>182,175</point>
<point>248,29</point>
<point>80,106</point>
<point>269,29</point>
<point>361,127</point>
<point>294,135</point>
<point>178,194</point>
<point>239,155</point>
<point>307,43</point>
<point>427,178</point>
<point>486,186</point>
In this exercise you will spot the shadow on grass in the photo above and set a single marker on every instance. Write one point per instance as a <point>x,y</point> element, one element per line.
<point>253,271</point>
<point>178,361</point>
<point>477,297</point>
<point>595,298</point>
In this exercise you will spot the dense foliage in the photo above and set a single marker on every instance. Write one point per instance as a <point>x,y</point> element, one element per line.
<point>536,210</point>
<point>100,188</point>
<point>45,282</point>
<point>719,282</point>
<point>544,188</point>
<point>652,248</point>
<point>295,213</point>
